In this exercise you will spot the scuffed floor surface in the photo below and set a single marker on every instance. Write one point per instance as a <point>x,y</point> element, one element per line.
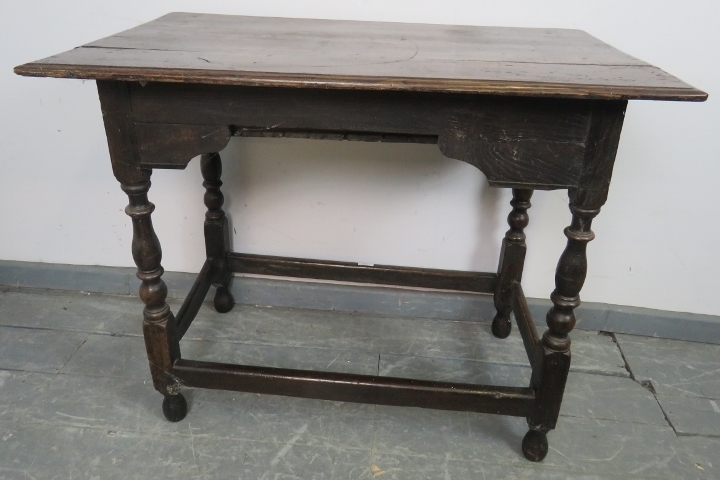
<point>76,400</point>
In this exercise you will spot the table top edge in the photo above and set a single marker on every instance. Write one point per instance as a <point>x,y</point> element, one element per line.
<point>408,84</point>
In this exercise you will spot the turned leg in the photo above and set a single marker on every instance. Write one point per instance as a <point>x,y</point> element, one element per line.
<point>161,340</point>
<point>512,259</point>
<point>217,237</point>
<point>549,382</point>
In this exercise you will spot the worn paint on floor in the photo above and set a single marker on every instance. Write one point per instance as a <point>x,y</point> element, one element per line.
<point>76,399</point>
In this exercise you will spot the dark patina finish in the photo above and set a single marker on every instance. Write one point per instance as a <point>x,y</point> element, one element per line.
<point>531,108</point>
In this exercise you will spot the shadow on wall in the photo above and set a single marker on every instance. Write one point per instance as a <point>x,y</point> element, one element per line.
<point>384,203</point>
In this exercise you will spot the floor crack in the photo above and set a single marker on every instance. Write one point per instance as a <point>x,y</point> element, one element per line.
<point>646,384</point>
<point>55,375</point>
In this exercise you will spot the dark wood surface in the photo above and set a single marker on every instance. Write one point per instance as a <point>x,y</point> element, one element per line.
<point>217,231</point>
<point>159,324</point>
<point>348,387</point>
<point>477,282</point>
<point>195,298</point>
<point>526,327</point>
<point>515,141</point>
<point>182,85</point>
<point>260,51</point>
<point>512,261</point>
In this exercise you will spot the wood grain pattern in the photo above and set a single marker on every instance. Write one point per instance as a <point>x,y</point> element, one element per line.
<point>514,141</point>
<point>194,300</point>
<point>526,327</point>
<point>174,145</point>
<point>348,387</point>
<point>477,282</point>
<point>184,84</point>
<point>259,51</point>
<point>120,132</point>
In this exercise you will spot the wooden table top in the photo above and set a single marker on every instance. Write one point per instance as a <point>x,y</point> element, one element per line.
<point>262,51</point>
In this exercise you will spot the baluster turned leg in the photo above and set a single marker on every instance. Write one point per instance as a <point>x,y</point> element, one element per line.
<point>512,259</point>
<point>217,237</point>
<point>550,383</point>
<point>159,326</point>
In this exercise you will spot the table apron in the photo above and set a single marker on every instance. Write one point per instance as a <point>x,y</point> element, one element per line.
<point>515,141</point>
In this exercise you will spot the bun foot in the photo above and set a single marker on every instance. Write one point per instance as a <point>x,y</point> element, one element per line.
<point>501,326</point>
<point>174,407</point>
<point>224,301</point>
<point>535,445</point>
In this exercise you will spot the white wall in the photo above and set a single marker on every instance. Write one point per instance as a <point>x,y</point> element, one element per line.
<point>656,242</point>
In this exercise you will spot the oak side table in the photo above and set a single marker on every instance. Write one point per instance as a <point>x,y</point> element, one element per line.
<point>531,108</point>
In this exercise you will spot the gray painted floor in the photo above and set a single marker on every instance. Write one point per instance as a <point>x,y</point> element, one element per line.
<point>76,401</point>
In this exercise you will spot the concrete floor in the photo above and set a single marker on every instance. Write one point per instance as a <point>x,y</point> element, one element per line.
<point>76,401</point>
